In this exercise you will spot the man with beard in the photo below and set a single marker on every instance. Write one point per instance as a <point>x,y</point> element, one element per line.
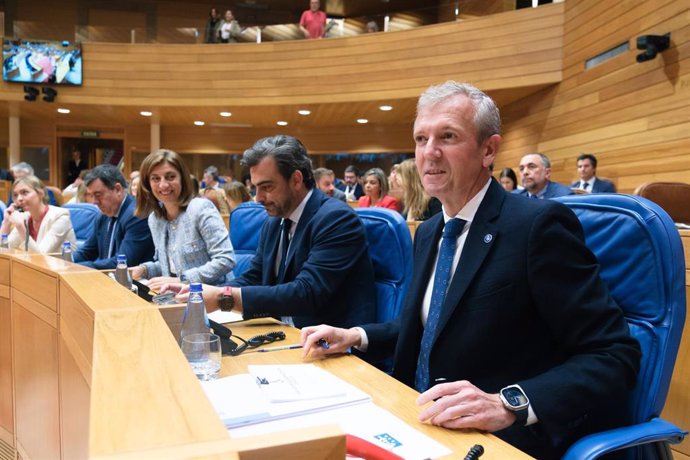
<point>312,263</point>
<point>535,169</point>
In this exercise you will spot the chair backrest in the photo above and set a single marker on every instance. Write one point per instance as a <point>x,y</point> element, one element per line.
<point>246,221</point>
<point>641,258</point>
<point>674,197</point>
<point>2,211</point>
<point>83,217</point>
<point>390,249</point>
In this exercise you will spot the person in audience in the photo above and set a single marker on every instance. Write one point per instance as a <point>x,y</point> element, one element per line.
<point>418,204</point>
<point>134,186</point>
<point>350,185</point>
<point>589,182</point>
<point>535,351</point>
<point>23,169</point>
<point>72,188</point>
<point>376,191</point>
<point>217,197</point>
<point>75,166</point>
<point>535,169</point>
<point>212,25</point>
<point>191,240</point>
<point>313,21</point>
<point>195,185</point>
<point>371,27</point>
<point>394,186</point>
<point>324,181</point>
<point>229,28</point>
<point>508,179</point>
<point>211,178</point>
<point>235,194</point>
<point>134,174</point>
<point>312,264</point>
<point>248,183</point>
<point>32,223</point>
<point>117,230</point>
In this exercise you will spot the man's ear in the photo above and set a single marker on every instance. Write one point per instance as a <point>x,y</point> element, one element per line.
<point>491,146</point>
<point>296,178</point>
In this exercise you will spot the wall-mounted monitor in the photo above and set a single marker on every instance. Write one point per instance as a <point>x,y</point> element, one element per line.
<point>38,61</point>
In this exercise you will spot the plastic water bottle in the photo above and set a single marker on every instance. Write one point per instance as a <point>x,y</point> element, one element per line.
<point>67,251</point>
<point>4,242</point>
<point>121,273</point>
<point>195,320</point>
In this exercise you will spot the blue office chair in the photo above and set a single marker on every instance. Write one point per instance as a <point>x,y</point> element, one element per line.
<point>83,217</point>
<point>641,259</point>
<point>2,211</point>
<point>246,221</point>
<point>390,249</point>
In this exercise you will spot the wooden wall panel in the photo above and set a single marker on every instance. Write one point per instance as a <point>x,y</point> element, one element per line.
<point>634,117</point>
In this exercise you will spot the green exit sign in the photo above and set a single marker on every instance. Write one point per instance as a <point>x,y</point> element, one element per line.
<point>90,134</point>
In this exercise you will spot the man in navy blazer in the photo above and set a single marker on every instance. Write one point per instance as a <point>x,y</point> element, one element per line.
<point>320,272</point>
<point>535,170</point>
<point>117,230</point>
<point>589,182</point>
<point>350,186</point>
<point>528,343</point>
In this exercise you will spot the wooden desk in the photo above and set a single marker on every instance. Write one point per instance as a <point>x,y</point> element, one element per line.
<point>677,408</point>
<point>90,370</point>
<point>385,391</point>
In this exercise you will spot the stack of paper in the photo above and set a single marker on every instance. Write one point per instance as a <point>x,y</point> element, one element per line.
<point>283,397</point>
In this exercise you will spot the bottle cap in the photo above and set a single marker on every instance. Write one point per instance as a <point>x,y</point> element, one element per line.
<point>121,258</point>
<point>195,287</point>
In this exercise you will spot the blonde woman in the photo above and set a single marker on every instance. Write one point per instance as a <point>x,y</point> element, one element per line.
<point>32,223</point>
<point>418,204</point>
<point>235,194</point>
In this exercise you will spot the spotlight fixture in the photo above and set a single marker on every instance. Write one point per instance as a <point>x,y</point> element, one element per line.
<point>362,121</point>
<point>146,113</point>
<point>31,93</point>
<point>49,94</point>
<point>652,44</point>
<point>281,123</point>
<point>304,112</point>
<point>225,114</point>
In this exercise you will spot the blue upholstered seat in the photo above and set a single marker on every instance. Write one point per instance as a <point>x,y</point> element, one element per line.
<point>246,221</point>
<point>641,259</point>
<point>390,249</point>
<point>83,217</point>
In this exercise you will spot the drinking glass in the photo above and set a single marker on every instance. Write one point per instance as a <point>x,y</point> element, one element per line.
<point>203,353</point>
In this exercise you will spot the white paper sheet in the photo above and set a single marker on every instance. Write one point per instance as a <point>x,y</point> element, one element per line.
<point>223,317</point>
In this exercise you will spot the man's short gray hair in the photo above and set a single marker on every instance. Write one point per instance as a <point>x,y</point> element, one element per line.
<point>23,167</point>
<point>487,119</point>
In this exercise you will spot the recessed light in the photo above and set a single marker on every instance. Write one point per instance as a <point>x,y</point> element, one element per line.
<point>199,123</point>
<point>145,113</point>
<point>386,108</point>
<point>304,112</point>
<point>63,110</point>
<point>281,123</point>
<point>225,114</point>
<point>362,121</point>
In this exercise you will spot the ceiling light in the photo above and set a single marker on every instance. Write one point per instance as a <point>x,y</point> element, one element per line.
<point>304,112</point>
<point>63,110</point>
<point>362,121</point>
<point>386,108</point>
<point>281,123</point>
<point>225,114</point>
<point>199,123</point>
<point>145,113</point>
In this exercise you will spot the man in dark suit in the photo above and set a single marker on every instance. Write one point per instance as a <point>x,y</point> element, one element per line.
<point>350,185</point>
<point>117,230</point>
<point>523,340</point>
<point>535,170</point>
<point>312,264</point>
<point>589,182</point>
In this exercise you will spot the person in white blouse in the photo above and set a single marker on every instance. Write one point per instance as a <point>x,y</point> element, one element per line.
<point>31,223</point>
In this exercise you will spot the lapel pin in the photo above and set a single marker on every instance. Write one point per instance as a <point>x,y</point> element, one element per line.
<point>488,237</point>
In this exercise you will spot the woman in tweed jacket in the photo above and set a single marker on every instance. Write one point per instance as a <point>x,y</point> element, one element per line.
<point>192,243</point>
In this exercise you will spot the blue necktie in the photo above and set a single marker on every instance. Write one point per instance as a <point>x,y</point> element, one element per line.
<point>442,278</point>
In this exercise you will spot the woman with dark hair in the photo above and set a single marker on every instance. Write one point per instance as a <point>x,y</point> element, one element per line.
<point>40,227</point>
<point>376,191</point>
<point>508,179</point>
<point>191,239</point>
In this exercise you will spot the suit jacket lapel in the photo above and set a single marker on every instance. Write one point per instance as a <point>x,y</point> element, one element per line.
<point>310,208</point>
<point>480,239</point>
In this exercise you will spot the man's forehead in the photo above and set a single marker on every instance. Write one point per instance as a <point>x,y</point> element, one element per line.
<point>531,160</point>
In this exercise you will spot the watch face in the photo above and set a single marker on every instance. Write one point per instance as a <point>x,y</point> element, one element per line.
<point>514,396</point>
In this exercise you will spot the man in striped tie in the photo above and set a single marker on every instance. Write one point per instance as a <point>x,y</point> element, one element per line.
<point>506,327</point>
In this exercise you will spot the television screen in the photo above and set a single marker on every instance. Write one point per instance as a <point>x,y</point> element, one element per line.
<point>36,61</point>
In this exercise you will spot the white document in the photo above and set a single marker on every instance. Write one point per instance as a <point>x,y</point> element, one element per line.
<point>223,317</point>
<point>367,421</point>
<point>243,399</point>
